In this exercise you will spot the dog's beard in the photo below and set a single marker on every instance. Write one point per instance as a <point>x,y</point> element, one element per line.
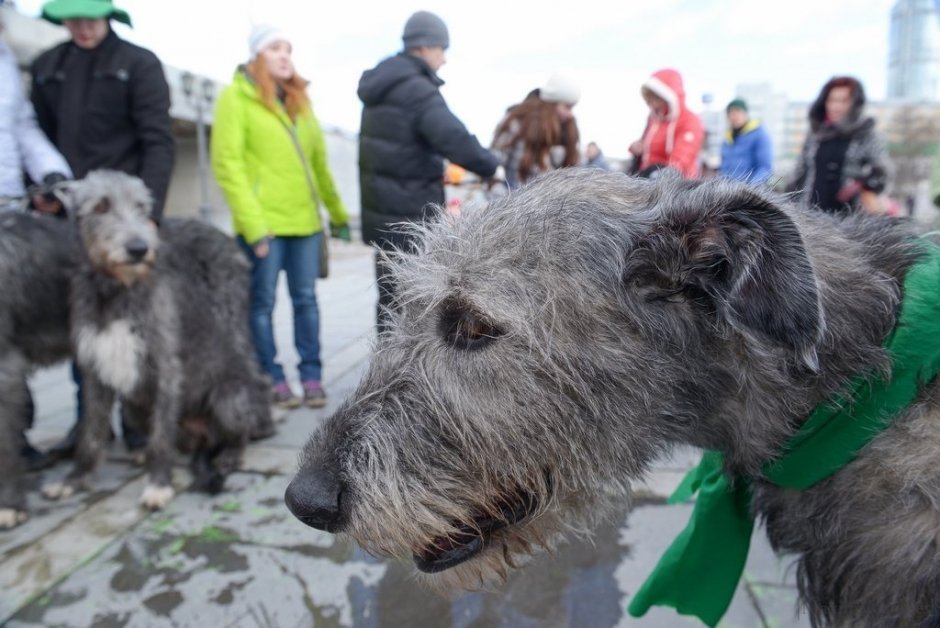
<point>504,550</point>
<point>129,275</point>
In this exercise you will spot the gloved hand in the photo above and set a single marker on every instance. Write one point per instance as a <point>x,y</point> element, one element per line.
<point>340,232</point>
<point>53,178</point>
<point>43,195</point>
<point>497,180</point>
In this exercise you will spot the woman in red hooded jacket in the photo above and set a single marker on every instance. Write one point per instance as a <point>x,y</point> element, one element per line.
<point>673,135</point>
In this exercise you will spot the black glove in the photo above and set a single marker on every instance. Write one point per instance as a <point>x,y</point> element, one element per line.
<point>48,184</point>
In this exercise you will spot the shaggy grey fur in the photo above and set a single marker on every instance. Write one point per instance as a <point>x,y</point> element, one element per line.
<point>551,345</point>
<point>159,320</point>
<point>37,256</point>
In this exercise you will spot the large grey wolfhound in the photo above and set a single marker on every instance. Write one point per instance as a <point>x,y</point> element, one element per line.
<point>156,318</point>
<point>551,345</point>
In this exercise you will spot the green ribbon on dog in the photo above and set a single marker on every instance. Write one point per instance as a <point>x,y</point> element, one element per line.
<point>699,572</point>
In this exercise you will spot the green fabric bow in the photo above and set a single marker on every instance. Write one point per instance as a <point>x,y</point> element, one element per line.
<point>699,572</point>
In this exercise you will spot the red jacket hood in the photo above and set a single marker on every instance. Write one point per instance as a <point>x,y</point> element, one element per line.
<point>667,84</point>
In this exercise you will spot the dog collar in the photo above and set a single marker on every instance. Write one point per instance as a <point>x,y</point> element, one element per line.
<point>699,572</point>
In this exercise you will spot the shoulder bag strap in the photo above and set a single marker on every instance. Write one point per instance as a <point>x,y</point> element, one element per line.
<point>306,166</point>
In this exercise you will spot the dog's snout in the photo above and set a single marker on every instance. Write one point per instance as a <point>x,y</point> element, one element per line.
<point>136,248</point>
<point>314,497</point>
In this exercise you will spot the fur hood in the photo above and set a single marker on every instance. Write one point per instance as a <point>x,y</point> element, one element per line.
<point>667,84</point>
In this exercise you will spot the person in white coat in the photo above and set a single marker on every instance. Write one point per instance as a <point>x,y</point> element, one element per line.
<point>23,145</point>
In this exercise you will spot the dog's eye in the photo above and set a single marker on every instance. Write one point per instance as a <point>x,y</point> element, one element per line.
<point>103,206</point>
<point>464,329</point>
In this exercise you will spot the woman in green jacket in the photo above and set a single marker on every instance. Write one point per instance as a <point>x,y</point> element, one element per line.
<point>269,157</point>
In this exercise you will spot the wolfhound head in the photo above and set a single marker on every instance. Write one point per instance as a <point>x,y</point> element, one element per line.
<point>113,214</point>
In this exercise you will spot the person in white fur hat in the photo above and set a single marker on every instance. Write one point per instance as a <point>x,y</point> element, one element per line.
<point>269,157</point>
<point>539,134</point>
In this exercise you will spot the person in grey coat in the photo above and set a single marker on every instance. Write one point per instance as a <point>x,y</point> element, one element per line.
<point>843,167</point>
<point>23,145</point>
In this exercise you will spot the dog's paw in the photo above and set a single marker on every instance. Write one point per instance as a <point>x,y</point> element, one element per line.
<point>11,517</point>
<point>58,490</point>
<point>155,497</point>
<point>279,414</point>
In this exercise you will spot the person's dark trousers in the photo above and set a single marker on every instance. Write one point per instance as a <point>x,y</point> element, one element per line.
<point>387,290</point>
<point>134,439</point>
<point>34,459</point>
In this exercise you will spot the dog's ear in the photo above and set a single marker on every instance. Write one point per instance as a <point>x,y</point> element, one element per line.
<point>739,250</point>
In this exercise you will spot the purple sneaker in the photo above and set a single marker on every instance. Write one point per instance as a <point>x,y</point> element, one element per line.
<point>283,397</point>
<point>314,397</point>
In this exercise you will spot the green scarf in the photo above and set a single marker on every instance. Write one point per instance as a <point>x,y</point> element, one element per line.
<point>699,572</point>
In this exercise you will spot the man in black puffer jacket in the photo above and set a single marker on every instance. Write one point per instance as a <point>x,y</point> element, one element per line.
<point>406,132</point>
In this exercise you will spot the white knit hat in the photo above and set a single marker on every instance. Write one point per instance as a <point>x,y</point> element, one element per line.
<point>263,35</point>
<point>559,88</point>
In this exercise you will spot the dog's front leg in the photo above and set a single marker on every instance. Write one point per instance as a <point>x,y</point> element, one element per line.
<point>161,442</point>
<point>13,403</point>
<point>93,434</point>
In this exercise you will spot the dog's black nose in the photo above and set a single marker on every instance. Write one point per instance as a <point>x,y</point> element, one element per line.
<point>136,248</point>
<point>314,496</point>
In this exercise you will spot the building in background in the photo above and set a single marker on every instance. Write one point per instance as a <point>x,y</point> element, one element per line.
<point>914,51</point>
<point>713,124</point>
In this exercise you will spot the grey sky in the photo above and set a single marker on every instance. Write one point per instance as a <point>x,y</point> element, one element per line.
<point>500,49</point>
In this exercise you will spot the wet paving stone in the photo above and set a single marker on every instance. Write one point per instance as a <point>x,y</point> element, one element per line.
<point>213,561</point>
<point>46,515</point>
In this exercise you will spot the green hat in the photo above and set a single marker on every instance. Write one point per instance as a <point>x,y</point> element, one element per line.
<point>57,10</point>
<point>737,103</point>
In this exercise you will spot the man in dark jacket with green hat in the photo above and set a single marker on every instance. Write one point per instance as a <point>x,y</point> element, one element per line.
<point>105,103</point>
<point>407,130</point>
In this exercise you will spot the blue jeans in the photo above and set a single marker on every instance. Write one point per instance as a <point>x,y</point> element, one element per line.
<point>299,257</point>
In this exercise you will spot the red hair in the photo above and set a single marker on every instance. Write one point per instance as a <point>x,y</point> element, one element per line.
<point>294,89</point>
<point>843,81</point>
<point>539,129</point>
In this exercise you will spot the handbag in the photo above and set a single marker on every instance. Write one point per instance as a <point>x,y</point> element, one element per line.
<point>324,269</point>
